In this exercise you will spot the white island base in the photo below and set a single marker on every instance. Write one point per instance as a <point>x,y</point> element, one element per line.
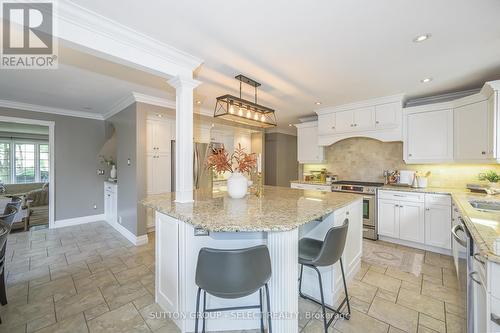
<point>177,247</point>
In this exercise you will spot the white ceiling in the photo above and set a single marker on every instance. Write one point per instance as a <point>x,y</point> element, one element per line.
<point>301,51</point>
<point>7,127</point>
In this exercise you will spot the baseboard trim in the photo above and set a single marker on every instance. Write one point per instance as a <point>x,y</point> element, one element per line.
<point>78,220</point>
<point>416,245</point>
<point>136,240</point>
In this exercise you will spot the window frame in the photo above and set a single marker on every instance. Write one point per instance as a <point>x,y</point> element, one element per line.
<point>12,169</point>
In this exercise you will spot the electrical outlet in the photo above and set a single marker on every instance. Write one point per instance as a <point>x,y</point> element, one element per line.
<point>95,206</point>
<point>120,219</point>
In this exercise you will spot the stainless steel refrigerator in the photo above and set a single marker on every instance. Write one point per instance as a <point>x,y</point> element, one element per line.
<point>202,177</point>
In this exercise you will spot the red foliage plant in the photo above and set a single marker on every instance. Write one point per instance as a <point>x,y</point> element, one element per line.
<point>221,161</point>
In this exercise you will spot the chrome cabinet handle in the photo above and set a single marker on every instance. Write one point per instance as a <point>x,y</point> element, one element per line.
<point>410,155</point>
<point>455,235</point>
<point>377,122</point>
<point>494,318</point>
<point>483,153</point>
<point>471,275</point>
<point>477,257</point>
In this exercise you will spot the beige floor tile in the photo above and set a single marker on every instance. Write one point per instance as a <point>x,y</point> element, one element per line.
<point>59,288</point>
<point>433,279</point>
<point>306,309</point>
<point>396,315</point>
<point>362,271</point>
<point>411,286</point>
<point>422,303</point>
<point>457,310</point>
<point>154,317</point>
<point>393,329</point>
<point>106,264</point>
<point>121,320</point>
<point>377,268</point>
<point>72,305</point>
<point>455,324</point>
<point>15,314</point>
<point>315,326</point>
<point>132,274</point>
<point>405,276</point>
<point>432,323</point>
<point>40,274</point>
<point>100,279</point>
<point>441,293</point>
<point>73,324</point>
<point>387,295</point>
<point>360,322</point>
<point>17,329</point>
<point>423,329</point>
<point>450,278</point>
<point>361,290</point>
<point>96,311</point>
<point>359,305</point>
<point>431,270</point>
<point>148,299</point>
<point>382,281</point>
<point>117,296</point>
<point>59,270</point>
<point>42,322</point>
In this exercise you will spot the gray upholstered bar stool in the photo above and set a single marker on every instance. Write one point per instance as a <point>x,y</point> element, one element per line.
<point>314,253</point>
<point>233,274</point>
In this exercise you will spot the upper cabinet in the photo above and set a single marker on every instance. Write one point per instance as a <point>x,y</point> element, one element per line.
<point>379,118</point>
<point>464,130</point>
<point>308,150</point>
<point>428,136</point>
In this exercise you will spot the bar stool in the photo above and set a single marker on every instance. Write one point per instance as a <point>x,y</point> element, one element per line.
<point>314,253</point>
<point>233,274</point>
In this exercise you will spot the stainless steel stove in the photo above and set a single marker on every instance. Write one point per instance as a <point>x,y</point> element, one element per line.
<point>369,191</point>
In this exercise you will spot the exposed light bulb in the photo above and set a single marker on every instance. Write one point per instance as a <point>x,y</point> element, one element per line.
<point>249,114</point>
<point>262,118</point>
<point>231,110</point>
<point>256,116</point>
<point>240,112</point>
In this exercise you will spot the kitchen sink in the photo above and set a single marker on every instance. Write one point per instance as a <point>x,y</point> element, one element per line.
<point>490,206</point>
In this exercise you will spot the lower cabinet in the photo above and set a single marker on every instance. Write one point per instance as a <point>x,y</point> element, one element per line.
<point>110,202</point>
<point>415,218</point>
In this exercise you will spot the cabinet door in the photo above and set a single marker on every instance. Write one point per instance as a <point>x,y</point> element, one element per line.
<point>388,218</point>
<point>429,136</point>
<point>107,206</point>
<point>162,173</point>
<point>411,221</point>
<point>481,308</point>
<point>162,136</point>
<point>364,118</point>
<point>307,145</point>
<point>386,115</point>
<point>472,131</point>
<point>150,142</point>
<point>493,137</point>
<point>326,124</point>
<point>150,164</point>
<point>344,121</point>
<point>438,226</point>
<point>352,251</point>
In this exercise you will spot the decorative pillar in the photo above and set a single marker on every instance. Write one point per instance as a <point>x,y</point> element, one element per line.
<point>184,87</point>
<point>283,287</point>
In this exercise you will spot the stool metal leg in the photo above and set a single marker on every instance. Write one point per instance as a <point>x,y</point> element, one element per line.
<point>348,316</point>
<point>269,327</point>
<point>197,311</point>
<point>204,309</point>
<point>322,299</point>
<point>261,311</point>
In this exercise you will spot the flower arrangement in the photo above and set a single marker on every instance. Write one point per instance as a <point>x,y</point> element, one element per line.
<point>108,161</point>
<point>239,161</point>
<point>490,176</point>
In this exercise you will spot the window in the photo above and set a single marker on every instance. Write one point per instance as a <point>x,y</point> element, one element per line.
<point>24,161</point>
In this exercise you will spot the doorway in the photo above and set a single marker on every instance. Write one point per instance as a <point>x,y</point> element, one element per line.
<point>27,171</point>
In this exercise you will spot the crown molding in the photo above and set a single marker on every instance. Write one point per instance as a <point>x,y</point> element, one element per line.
<point>48,109</point>
<point>361,104</point>
<point>158,101</point>
<point>95,33</point>
<point>440,98</point>
<point>119,105</point>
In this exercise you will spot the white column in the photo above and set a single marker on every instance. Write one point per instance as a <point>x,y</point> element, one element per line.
<point>283,287</point>
<point>184,87</point>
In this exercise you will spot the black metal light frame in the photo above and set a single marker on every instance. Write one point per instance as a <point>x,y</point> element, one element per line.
<point>240,110</point>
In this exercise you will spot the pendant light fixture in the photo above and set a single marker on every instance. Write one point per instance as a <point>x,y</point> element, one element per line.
<point>240,110</point>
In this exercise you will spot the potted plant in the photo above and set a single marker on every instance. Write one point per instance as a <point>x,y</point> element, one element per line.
<point>110,163</point>
<point>237,164</point>
<point>491,176</point>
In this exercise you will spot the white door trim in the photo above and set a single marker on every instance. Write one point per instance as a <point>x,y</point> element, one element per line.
<point>52,182</point>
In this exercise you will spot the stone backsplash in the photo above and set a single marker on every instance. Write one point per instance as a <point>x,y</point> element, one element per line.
<point>366,159</point>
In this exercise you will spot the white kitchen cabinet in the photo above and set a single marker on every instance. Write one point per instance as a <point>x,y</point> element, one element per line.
<point>308,150</point>
<point>159,173</point>
<point>428,136</point>
<point>473,127</point>
<point>326,124</point>
<point>110,202</point>
<point>159,135</point>
<point>201,133</point>
<point>411,221</point>
<point>387,115</point>
<point>388,218</point>
<point>364,119</point>
<point>438,225</point>
<point>344,121</point>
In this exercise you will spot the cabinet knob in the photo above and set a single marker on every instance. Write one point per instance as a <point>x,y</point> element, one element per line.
<point>483,153</point>
<point>409,155</point>
<point>427,209</point>
<point>377,122</point>
<point>333,127</point>
<point>346,213</point>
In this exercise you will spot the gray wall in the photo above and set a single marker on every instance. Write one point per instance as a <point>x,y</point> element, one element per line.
<point>281,164</point>
<point>77,143</point>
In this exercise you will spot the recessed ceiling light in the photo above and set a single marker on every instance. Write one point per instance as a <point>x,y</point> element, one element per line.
<point>317,103</point>
<point>290,125</point>
<point>198,102</point>
<point>426,80</point>
<point>421,38</point>
<point>159,115</point>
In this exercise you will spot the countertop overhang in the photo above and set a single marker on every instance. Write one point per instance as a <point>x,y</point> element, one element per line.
<point>279,209</point>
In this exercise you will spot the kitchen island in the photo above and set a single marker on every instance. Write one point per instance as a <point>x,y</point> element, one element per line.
<point>278,219</point>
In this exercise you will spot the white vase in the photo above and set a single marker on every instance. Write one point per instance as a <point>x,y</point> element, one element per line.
<point>112,173</point>
<point>237,185</point>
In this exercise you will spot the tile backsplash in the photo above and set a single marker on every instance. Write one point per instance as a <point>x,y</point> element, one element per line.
<point>366,159</point>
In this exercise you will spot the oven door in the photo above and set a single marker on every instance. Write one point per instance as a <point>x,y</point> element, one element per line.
<point>369,211</point>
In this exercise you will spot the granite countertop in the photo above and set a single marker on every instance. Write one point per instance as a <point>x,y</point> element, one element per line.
<point>309,182</point>
<point>432,190</point>
<point>279,209</point>
<point>483,226</point>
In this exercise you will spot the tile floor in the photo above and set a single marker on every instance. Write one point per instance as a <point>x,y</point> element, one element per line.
<point>88,278</point>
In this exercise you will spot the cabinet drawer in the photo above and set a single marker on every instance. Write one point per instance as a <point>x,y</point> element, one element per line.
<point>401,196</point>
<point>437,199</point>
